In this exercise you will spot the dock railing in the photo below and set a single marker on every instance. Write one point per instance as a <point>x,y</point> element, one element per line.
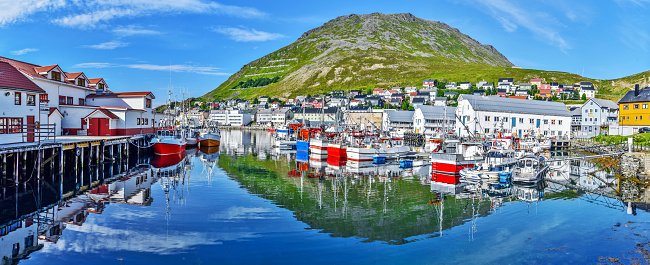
<point>38,132</point>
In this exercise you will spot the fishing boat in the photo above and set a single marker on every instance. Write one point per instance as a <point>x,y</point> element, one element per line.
<point>529,169</point>
<point>192,137</point>
<point>496,161</point>
<point>457,155</point>
<point>371,152</point>
<point>169,141</point>
<point>210,136</point>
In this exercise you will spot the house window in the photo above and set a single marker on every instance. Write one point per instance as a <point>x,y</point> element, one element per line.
<point>645,106</point>
<point>17,98</point>
<point>81,82</point>
<point>553,122</point>
<point>521,120</point>
<point>152,122</point>
<point>43,98</point>
<point>3,125</point>
<point>62,100</point>
<point>56,76</point>
<point>147,103</point>
<point>636,106</point>
<point>146,121</point>
<point>487,118</point>
<point>138,121</point>
<point>496,118</point>
<point>626,106</point>
<point>69,100</point>
<point>31,100</point>
<point>487,130</point>
<point>100,86</point>
<point>15,125</point>
<point>531,121</point>
<point>82,101</point>
<point>545,121</point>
<point>559,122</point>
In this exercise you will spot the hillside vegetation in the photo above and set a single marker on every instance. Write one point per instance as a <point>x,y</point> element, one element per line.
<point>383,51</point>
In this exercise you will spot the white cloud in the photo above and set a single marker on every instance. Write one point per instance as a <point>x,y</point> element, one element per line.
<point>23,51</point>
<point>512,16</point>
<point>204,70</point>
<point>92,65</point>
<point>108,45</point>
<point>104,11</point>
<point>245,35</point>
<point>134,30</point>
<point>15,11</point>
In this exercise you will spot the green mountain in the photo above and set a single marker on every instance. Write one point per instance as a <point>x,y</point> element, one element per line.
<point>377,51</point>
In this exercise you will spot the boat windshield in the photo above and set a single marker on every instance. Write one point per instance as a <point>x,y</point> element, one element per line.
<point>529,163</point>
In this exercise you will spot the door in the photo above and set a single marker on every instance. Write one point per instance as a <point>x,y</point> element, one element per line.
<point>538,123</point>
<point>30,125</point>
<point>93,127</point>
<point>104,128</point>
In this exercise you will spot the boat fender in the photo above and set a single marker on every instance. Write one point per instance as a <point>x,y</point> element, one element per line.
<point>547,154</point>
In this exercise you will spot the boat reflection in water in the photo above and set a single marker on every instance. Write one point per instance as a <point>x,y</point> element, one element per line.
<point>350,200</point>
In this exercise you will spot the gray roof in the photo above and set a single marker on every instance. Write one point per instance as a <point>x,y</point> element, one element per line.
<point>587,88</point>
<point>576,111</point>
<point>437,112</point>
<point>515,105</point>
<point>418,100</point>
<point>400,115</point>
<point>644,95</point>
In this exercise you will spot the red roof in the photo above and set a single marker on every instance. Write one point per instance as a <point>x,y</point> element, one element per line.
<point>73,75</point>
<point>10,77</point>
<point>123,95</point>
<point>53,109</point>
<point>45,68</point>
<point>26,68</point>
<point>519,97</point>
<point>95,80</point>
<point>105,111</point>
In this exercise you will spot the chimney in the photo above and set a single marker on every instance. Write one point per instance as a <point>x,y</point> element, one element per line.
<point>636,90</point>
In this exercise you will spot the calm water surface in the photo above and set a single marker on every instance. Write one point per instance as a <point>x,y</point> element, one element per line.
<point>249,204</point>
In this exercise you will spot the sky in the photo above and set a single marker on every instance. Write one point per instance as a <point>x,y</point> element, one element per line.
<point>195,45</point>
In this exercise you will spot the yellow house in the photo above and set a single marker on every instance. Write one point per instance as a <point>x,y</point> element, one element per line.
<point>634,110</point>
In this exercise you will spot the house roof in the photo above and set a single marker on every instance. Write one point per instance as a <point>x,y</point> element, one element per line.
<point>588,88</point>
<point>502,90</point>
<point>506,79</point>
<point>123,95</point>
<point>536,80</point>
<point>106,112</point>
<point>515,105</point>
<point>73,75</point>
<point>644,95</point>
<point>437,112</point>
<point>95,80</point>
<point>604,103</point>
<point>43,69</point>
<point>25,68</point>
<point>519,97</point>
<point>400,115</point>
<point>10,77</point>
<point>418,100</point>
<point>53,110</point>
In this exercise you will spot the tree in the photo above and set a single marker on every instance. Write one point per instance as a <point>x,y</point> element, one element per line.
<point>405,104</point>
<point>256,101</point>
<point>584,96</point>
<point>369,90</point>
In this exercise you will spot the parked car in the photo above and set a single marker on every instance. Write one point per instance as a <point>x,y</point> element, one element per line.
<point>644,130</point>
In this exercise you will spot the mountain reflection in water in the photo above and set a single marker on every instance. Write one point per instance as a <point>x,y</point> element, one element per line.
<point>217,204</point>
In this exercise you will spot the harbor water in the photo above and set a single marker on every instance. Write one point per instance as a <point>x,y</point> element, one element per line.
<point>247,203</point>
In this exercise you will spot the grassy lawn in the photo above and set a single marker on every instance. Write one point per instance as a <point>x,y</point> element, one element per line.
<point>639,138</point>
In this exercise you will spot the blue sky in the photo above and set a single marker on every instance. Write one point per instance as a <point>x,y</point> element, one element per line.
<point>134,44</point>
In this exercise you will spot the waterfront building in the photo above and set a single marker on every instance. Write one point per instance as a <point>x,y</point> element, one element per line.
<point>597,115</point>
<point>85,106</point>
<point>576,119</point>
<point>399,121</point>
<point>486,115</point>
<point>281,116</point>
<point>434,119</point>
<point>316,115</point>
<point>21,102</point>
<point>264,116</point>
<point>536,82</point>
<point>633,111</point>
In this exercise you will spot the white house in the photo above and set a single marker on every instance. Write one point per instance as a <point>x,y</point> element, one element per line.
<point>398,121</point>
<point>597,116</point>
<point>20,100</point>
<point>589,92</point>
<point>84,106</point>
<point>434,119</point>
<point>465,85</point>
<point>281,116</point>
<point>487,115</point>
<point>264,116</point>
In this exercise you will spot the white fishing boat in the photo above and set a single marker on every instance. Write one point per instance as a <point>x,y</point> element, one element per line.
<point>529,169</point>
<point>496,161</point>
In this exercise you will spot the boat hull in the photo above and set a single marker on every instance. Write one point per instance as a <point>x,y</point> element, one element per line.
<point>317,146</point>
<point>163,161</point>
<point>337,150</point>
<point>210,142</point>
<point>168,148</point>
<point>446,168</point>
